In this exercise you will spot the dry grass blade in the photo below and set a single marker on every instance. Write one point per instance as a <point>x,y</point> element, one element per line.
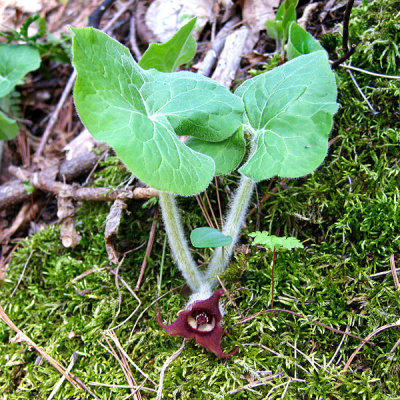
<point>122,361</point>
<point>22,274</point>
<point>114,338</point>
<point>130,290</point>
<point>230,297</point>
<point>150,305</point>
<point>211,209</point>
<point>122,386</point>
<point>370,336</point>
<point>75,382</point>
<point>312,363</point>
<point>394,272</point>
<point>260,382</point>
<point>74,359</point>
<point>273,310</point>
<point>148,248</point>
<point>204,210</point>
<point>165,366</point>
<point>338,348</point>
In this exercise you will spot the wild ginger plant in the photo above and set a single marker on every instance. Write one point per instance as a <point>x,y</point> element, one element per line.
<point>283,117</point>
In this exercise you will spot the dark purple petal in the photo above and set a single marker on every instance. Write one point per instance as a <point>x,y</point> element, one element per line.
<point>201,321</point>
<point>180,327</point>
<point>212,342</point>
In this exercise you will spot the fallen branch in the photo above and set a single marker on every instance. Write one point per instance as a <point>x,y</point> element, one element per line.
<point>12,193</point>
<point>78,193</point>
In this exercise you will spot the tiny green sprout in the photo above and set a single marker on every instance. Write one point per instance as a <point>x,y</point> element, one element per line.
<point>16,61</point>
<point>150,203</point>
<point>29,188</point>
<point>278,29</point>
<point>274,243</point>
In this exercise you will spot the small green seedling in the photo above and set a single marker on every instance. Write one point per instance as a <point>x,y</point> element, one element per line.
<point>16,61</point>
<point>29,188</point>
<point>300,42</point>
<point>274,243</point>
<point>48,45</point>
<point>282,116</point>
<point>278,29</point>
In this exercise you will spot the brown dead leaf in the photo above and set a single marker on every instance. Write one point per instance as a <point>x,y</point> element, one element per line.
<point>66,213</point>
<point>81,145</point>
<point>255,13</point>
<point>163,18</point>
<point>112,225</point>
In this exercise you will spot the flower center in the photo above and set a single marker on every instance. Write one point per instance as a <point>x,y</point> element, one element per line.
<point>201,321</point>
<point>201,318</point>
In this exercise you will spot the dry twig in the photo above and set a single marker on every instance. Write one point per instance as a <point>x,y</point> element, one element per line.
<point>168,361</point>
<point>370,336</point>
<point>25,214</point>
<point>274,310</point>
<point>74,381</point>
<point>230,297</point>
<point>148,248</point>
<point>394,272</point>
<point>22,274</point>
<point>39,181</point>
<point>347,50</point>
<point>260,382</point>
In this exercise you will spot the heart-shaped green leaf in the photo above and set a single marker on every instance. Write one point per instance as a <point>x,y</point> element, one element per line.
<point>226,154</point>
<point>209,237</point>
<point>140,113</point>
<point>300,42</point>
<point>168,56</point>
<point>289,112</point>
<point>16,61</point>
<point>8,127</point>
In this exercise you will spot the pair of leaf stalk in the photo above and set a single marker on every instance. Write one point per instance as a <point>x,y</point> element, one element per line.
<point>141,109</point>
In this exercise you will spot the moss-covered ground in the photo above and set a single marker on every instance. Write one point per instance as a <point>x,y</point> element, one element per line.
<point>347,213</point>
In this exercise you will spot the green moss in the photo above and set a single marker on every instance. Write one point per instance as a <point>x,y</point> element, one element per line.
<point>346,212</point>
<point>375,26</point>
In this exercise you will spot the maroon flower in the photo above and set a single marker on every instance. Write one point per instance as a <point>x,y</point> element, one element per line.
<point>200,321</point>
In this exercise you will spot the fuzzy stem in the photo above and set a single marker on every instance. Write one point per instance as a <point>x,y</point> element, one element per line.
<point>178,244</point>
<point>232,227</point>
